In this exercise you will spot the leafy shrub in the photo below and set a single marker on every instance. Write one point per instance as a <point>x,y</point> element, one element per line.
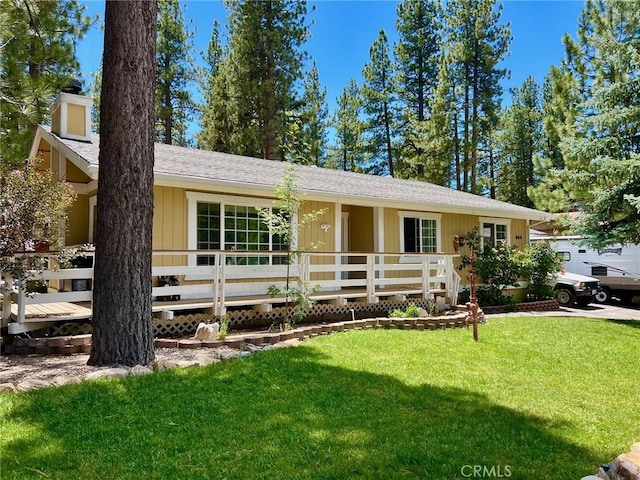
<point>412,311</point>
<point>493,296</point>
<point>224,327</point>
<point>498,268</point>
<point>539,262</point>
<point>502,266</point>
<point>397,313</point>
<point>33,211</point>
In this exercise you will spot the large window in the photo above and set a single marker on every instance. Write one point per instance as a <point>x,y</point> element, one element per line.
<point>419,233</point>
<point>231,224</point>
<point>495,231</point>
<point>208,231</point>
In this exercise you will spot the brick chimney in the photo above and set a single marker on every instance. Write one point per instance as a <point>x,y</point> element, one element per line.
<point>71,114</point>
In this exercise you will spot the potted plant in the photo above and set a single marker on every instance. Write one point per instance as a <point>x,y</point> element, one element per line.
<point>77,257</point>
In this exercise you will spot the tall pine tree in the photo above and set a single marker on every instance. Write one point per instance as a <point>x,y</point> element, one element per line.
<point>349,150</point>
<point>306,139</point>
<point>122,317</point>
<point>475,42</point>
<point>439,133</point>
<point>217,112</point>
<point>37,46</point>
<point>520,141</point>
<point>264,68</point>
<point>602,158</point>
<point>379,95</point>
<point>417,56</point>
<point>174,73</point>
<point>559,107</point>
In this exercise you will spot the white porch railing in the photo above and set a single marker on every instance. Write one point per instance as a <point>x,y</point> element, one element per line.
<point>229,281</point>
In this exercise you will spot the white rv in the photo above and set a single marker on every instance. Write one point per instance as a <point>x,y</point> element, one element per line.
<point>617,267</point>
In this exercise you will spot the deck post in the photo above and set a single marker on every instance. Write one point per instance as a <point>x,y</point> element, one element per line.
<point>426,281</point>
<point>371,279</point>
<point>223,282</point>
<point>449,278</point>
<point>216,285</point>
<point>304,274</point>
<point>21,300</point>
<point>6,299</point>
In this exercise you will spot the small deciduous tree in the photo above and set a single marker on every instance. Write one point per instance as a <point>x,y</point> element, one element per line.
<point>281,223</point>
<point>33,208</point>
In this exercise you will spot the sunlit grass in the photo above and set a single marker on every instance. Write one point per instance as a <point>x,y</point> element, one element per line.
<point>549,397</point>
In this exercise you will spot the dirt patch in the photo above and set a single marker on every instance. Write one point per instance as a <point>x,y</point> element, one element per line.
<point>16,368</point>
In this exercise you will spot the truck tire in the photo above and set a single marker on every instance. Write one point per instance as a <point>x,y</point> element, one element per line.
<point>565,297</point>
<point>603,295</point>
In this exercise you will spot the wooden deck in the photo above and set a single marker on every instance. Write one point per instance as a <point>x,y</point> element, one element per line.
<point>53,311</point>
<point>215,288</point>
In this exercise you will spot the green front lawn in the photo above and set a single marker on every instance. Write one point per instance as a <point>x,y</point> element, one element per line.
<point>535,398</point>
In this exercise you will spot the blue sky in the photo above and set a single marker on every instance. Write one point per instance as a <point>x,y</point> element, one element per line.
<point>342,33</point>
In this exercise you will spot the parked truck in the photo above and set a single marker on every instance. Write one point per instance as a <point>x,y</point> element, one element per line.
<point>617,266</point>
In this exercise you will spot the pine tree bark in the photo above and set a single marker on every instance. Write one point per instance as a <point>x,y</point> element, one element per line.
<point>122,329</point>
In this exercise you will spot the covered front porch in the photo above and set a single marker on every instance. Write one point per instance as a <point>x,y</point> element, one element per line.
<point>215,281</point>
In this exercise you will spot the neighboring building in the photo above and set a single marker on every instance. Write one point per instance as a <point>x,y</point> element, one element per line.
<point>378,237</point>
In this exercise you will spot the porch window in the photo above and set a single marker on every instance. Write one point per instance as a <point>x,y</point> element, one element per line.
<point>245,230</point>
<point>420,233</point>
<point>231,224</point>
<point>208,231</point>
<point>494,231</point>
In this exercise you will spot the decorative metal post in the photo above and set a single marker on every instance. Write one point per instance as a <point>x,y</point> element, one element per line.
<point>472,304</point>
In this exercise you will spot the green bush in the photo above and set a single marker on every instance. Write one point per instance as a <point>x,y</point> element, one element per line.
<point>412,311</point>
<point>497,268</point>
<point>224,327</point>
<point>502,266</point>
<point>539,262</point>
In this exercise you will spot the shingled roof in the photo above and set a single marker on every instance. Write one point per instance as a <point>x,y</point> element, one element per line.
<point>206,170</point>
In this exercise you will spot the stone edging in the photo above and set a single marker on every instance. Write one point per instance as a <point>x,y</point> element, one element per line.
<point>539,306</point>
<point>270,338</point>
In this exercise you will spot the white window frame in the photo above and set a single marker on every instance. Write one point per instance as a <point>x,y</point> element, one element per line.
<point>422,216</point>
<point>193,198</point>
<point>495,221</point>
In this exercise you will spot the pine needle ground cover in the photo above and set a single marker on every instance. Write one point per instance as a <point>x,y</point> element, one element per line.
<point>534,398</point>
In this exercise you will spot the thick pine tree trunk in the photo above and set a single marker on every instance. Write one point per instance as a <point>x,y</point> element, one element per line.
<point>122,330</point>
